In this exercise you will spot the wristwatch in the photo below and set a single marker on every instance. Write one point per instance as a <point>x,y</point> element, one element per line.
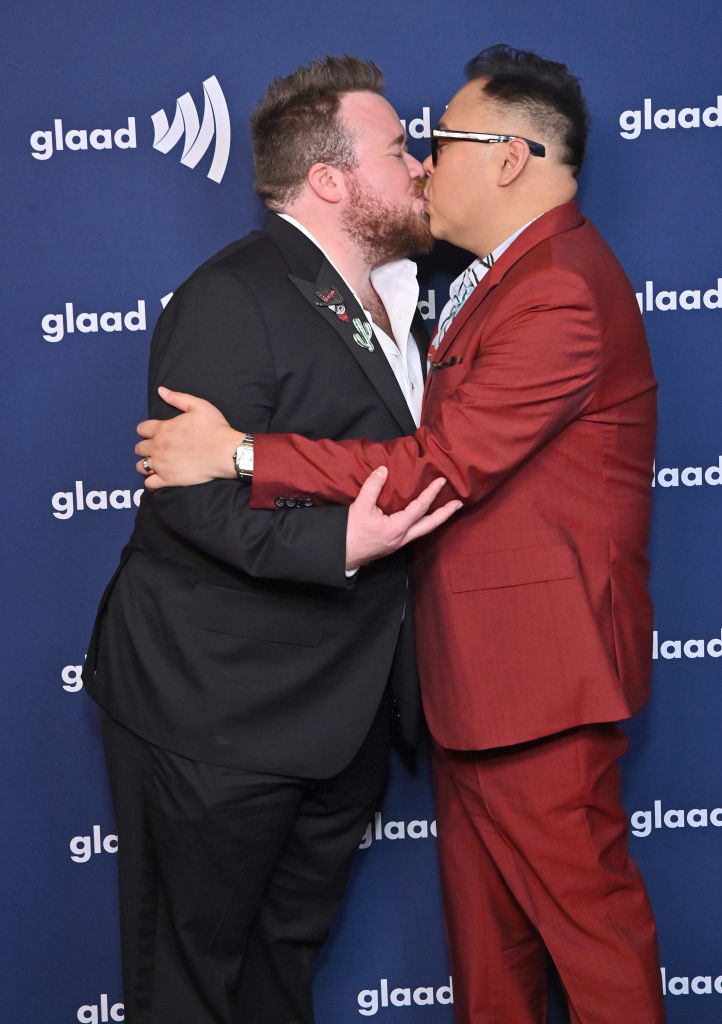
<point>243,458</point>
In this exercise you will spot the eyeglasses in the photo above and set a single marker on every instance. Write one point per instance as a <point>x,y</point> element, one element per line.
<point>535,148</point>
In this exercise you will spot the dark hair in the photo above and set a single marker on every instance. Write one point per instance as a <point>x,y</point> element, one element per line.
<point>297,124</point>
<point>544,90</point>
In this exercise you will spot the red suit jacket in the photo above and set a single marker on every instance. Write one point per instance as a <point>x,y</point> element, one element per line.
<point>532,609</point>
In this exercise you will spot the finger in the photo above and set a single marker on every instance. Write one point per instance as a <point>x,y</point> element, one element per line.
<point>371,488</point>
<point>179,399</point>
<point>434,519</point>
<point>419,506</point>
<point>148,427</point>
<point>155,482</point>
<point>143,448</point>
<point>152,481</point>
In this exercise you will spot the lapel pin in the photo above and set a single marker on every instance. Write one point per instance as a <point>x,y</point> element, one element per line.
<point>332,299</point>
<point>364,335</point>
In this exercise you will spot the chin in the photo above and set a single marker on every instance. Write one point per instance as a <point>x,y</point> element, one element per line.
<point>435,227</point>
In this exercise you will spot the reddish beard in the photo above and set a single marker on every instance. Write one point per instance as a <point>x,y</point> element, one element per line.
<point>385,231</point>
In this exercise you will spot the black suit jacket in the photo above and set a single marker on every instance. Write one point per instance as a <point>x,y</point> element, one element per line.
<point>232,635</point>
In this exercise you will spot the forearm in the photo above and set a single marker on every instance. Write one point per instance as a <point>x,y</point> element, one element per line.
<point>517,385</point>
<point>332,472</point>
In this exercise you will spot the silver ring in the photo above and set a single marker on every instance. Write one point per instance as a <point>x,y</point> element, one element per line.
<point>147,467</point>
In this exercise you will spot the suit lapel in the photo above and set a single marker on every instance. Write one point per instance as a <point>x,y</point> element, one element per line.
<point>311,272</point>
<point>559,219</point>
<point>371,361</point>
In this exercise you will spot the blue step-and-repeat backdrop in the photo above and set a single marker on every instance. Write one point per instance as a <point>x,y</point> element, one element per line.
<point>126,163</point>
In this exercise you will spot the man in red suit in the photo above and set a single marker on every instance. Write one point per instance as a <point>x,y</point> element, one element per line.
<point>533,615</point>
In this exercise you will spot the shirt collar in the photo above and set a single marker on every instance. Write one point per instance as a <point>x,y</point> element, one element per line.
<point>462,286</point>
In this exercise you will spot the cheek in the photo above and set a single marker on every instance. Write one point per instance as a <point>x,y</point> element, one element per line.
<point>459,194</point>
<point>404,175</point>
<point>446,190</point>
<point>396,183</point>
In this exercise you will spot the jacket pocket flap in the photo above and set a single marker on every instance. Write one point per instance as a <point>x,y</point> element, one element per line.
<point>275,619</point>
<point>485,570</point>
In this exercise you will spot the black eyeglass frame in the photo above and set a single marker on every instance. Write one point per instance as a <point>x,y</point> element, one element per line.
<point>535,148</point>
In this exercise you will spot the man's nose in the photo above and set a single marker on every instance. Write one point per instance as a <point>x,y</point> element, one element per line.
<point>415,167</point>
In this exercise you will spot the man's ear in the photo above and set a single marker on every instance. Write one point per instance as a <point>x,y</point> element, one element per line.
<point>327,182</point>
<point>515,162</point>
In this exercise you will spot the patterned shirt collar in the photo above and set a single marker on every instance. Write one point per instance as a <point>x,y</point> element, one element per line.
<point>462,286</point>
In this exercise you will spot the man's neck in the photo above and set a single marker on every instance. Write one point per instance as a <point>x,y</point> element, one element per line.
<point>523,210</point>
<point>337,247</point>
<point>352,267</point>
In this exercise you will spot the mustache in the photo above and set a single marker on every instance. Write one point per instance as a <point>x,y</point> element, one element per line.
<point>419,186</point>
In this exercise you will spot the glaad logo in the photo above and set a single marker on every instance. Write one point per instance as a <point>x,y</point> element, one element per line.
<point>702,985</point>
<point>643,822</point>
<point>419,127</point>
<point>82,848</point>
<point>691,298</point>
<point>198,135</point>
<point>427,306</point>
<point>633,122</point>
<point>102,1012</point>
<point>56,325</point>
<point>371,999</point>
<point>72,678</point>
<point>693,648</point>
<point>44,143</point>
<point>66,503</point>
<point>377,830</point>
<point>688,476</point>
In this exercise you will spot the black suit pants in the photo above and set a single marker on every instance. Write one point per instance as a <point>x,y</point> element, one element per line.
<point>229,880</point>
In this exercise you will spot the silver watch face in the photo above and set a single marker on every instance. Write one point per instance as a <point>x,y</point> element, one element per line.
<point>244,458</point>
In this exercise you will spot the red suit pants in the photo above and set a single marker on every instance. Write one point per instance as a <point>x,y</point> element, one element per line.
<point>533,851</point>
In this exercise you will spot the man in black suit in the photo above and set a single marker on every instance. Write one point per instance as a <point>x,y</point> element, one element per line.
<point>247,674</point>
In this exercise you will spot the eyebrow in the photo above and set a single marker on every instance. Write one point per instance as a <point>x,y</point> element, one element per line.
<point>400,140</point>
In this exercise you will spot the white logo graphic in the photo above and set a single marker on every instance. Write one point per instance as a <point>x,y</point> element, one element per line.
<point>633,122</point>
<point>377,830</point>
<point>427,306</point>
<point>702,985</point>
<point>198,135</point>
<point>66,503</point>
<point>371,999</point>
<point>44,143</point>
<point>82,848</point>
<point>72,678</point>
<point>643,822</point>
<point>102,1012</point>
<point>691,298</point>
<point>688,476</point>
<point>692,648</point>
<point>56,325</point>
<point>419,127</point>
